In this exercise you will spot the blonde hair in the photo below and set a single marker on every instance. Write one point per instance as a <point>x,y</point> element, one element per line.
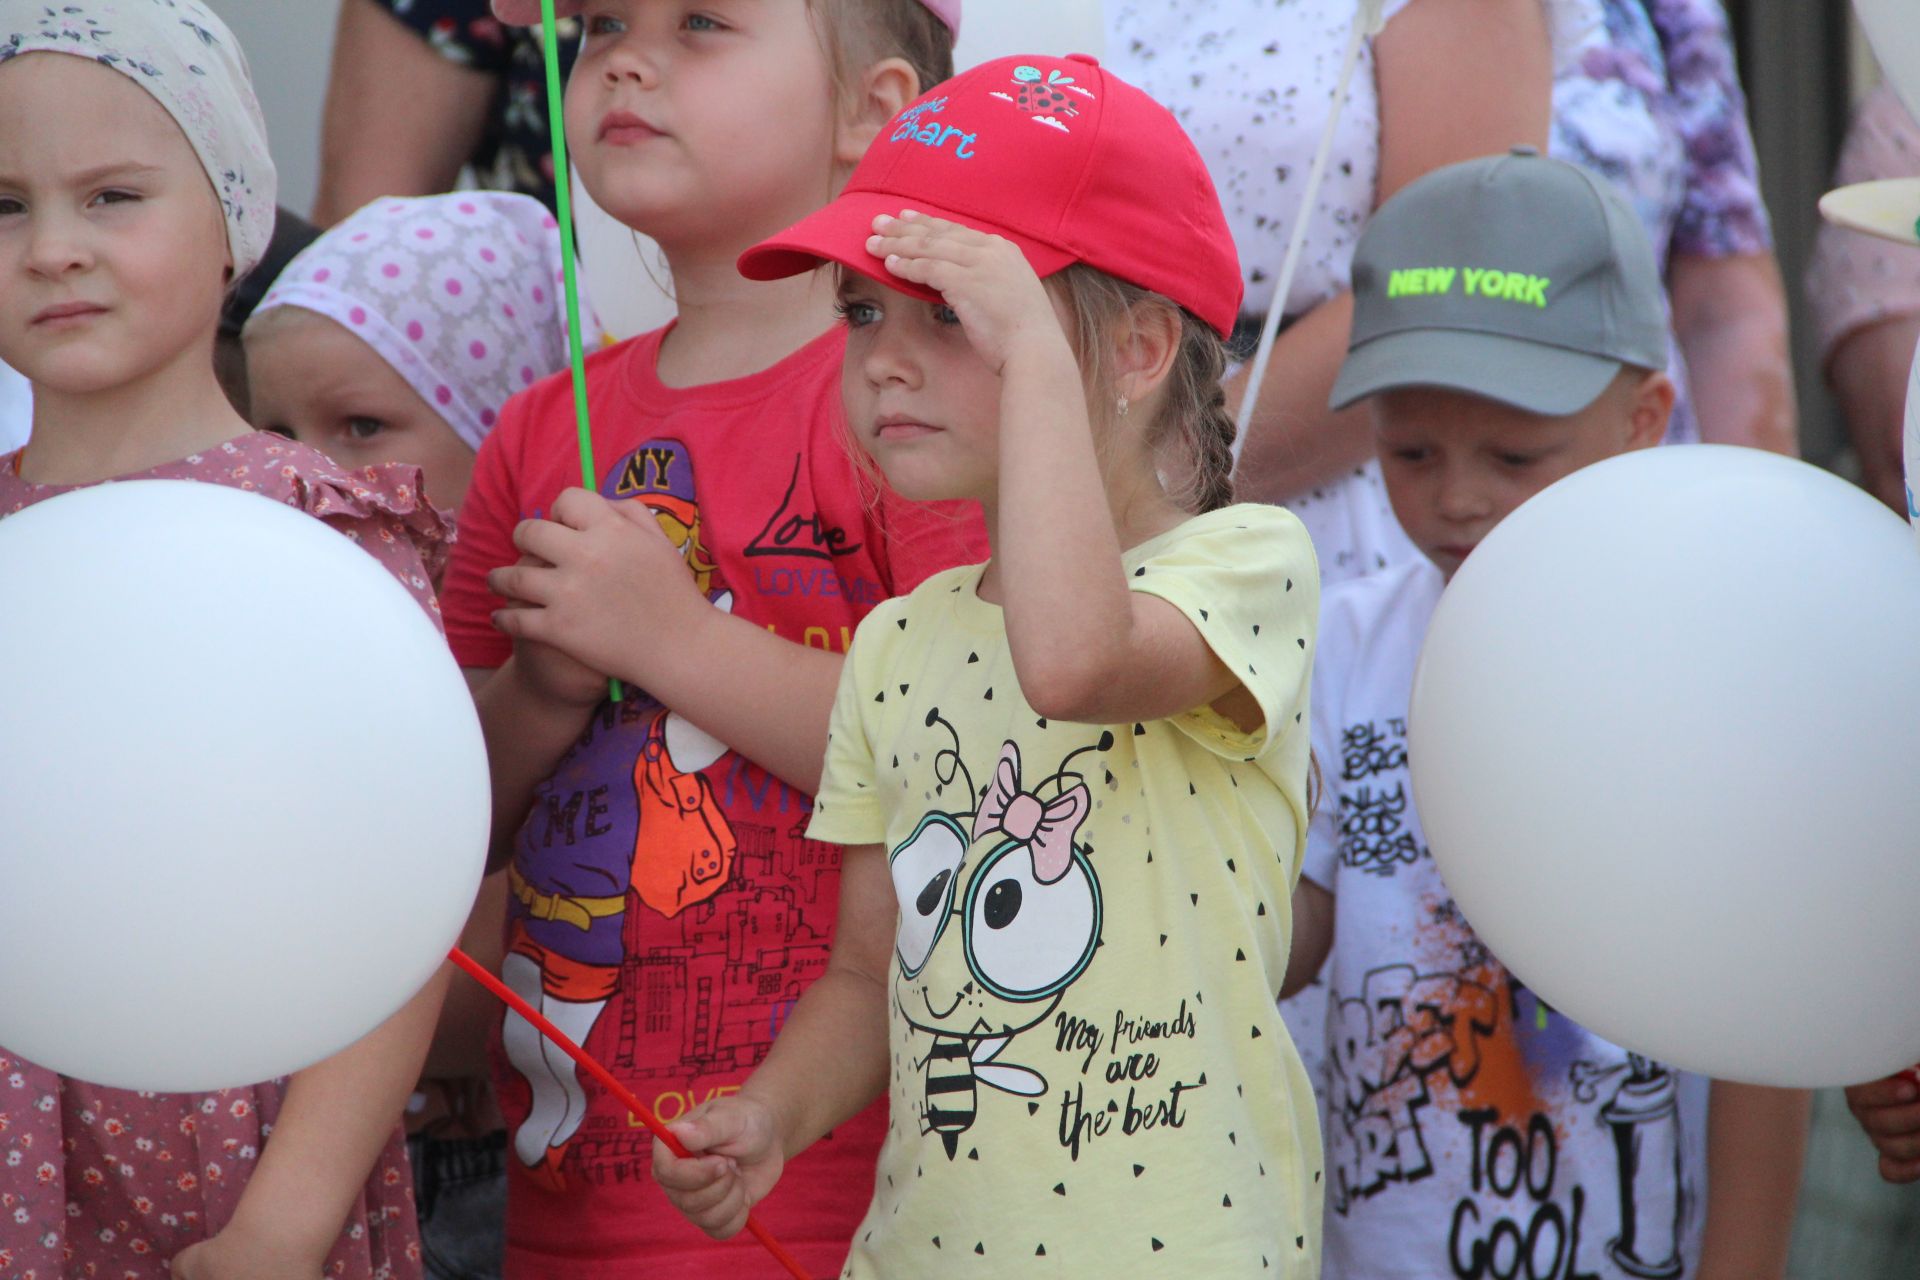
<point>1193,435</point>
<point>855,34</point>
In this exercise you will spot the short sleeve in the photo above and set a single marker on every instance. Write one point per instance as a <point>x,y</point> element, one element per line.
<point>1246,578</point>
<point>384,509</point>
<point>846,809</point>
<point>487,519</point>
<point>1721,214</point>
<point>1856,280</point>
<point>461,31</point>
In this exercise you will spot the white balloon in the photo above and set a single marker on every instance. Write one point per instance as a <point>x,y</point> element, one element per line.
<point>621,270</point>
<point>243,793</point>
<point>1664,745</point>
<point>1911,449</point>
<point>1895,37</point>
<point>624,271</point>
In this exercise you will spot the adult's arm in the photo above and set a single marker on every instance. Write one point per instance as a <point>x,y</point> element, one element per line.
<point>1429,118</point>
<point>1868,371</point>
<point>400,118</point>
<point>1730,315</point>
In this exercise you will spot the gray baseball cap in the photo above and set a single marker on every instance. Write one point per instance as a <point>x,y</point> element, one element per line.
<point>1514,277</point>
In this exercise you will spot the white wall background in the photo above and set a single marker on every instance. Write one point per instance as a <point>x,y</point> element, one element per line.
<point>289,44</point>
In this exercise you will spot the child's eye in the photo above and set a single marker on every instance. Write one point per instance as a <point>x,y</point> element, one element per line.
<point>944,314</point>
<point>115,197</point>
<point>10,205</point>
<point>1517,459</point>
<point>365,428</point>
<point>601,24</point>
<point>856,314</point>
<point>703,22</point>
<point>1409,454</point>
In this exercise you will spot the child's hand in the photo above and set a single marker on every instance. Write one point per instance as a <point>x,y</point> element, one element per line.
<point>597,579</point>
<point>553,674</point>
<point>988,282</point>
<point>1889,1110</point>
<point>736,1159</point>
<point>234,1255</point>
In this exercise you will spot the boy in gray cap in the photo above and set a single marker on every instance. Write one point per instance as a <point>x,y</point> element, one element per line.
<point>1509,328</point>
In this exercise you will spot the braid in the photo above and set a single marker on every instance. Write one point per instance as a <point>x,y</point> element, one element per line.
<point>1195,431</point>
<point>1211,429</point>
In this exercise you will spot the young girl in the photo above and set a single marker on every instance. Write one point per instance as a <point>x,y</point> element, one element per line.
<point>355,352</point>
<point>135,187</point>
<point>399,334</point>
<point>1073,779</point>
<point>666,909</point>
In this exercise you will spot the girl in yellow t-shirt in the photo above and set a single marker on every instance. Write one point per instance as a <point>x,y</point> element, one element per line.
<point>1071,781</point>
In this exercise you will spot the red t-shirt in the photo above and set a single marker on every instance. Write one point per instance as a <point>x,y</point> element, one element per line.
<point>667,909</point>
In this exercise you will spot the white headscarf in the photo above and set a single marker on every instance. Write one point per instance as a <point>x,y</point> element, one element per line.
<point>183,55</point>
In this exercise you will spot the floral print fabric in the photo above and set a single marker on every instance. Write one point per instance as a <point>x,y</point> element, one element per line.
<point>98,1182</point>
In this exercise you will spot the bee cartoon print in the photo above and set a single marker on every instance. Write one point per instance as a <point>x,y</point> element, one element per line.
<point>1016,903</point>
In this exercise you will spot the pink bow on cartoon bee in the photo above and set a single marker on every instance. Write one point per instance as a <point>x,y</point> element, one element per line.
<point>1045,828</point>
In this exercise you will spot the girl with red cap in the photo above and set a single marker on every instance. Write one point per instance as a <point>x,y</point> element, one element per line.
<point>665,908</point>
<point>1071,781</point>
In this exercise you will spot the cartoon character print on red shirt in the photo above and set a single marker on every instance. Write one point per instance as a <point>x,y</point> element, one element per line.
<point>567,921</point>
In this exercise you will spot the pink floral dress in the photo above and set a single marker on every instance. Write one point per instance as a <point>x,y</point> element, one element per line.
<point>98,1182</point>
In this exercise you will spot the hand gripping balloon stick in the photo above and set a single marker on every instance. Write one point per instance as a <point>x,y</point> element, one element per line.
<point>556,124</point>
<point>478,972</point>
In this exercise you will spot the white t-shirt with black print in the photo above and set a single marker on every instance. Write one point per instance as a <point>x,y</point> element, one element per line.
<point>1472,1130</point>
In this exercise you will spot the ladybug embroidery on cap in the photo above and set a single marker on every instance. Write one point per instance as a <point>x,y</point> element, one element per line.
<point>1044,100</point>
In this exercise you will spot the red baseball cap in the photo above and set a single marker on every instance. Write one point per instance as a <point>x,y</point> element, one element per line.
<point>526,13</point>
<point>1057,155</point>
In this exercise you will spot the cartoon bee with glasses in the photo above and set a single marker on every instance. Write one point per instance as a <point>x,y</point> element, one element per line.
<point>1023,901</point>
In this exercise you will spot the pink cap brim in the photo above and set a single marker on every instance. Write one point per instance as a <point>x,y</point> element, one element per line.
<point>526,13</point>
<point>838,233</point>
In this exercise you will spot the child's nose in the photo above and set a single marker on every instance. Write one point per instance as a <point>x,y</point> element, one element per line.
<point>56,246</point>
<point>1462,497</point>
<point>631,60</point>
<point>890,362</point>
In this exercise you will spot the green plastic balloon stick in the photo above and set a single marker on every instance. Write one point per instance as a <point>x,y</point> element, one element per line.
<point>564,202</point>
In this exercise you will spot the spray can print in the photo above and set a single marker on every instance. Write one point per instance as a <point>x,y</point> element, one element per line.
<point>1644,1116</point>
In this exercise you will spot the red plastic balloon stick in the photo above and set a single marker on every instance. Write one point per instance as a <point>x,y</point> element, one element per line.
<point>479,974</point>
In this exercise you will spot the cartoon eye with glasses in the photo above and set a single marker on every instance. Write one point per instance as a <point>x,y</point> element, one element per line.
<point>1026,900</point>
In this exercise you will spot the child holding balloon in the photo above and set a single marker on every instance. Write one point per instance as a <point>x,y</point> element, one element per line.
<point>135,188</point>
<point>666,909</point>
<point>1072,781</point>
<point>1508,325</point>
<point>352,352</point>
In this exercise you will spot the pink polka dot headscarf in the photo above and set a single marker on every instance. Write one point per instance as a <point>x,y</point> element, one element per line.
<point>462,294</point>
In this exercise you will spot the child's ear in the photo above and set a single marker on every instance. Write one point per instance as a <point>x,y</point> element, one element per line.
<point>884,91</point>
<point>1145,350</point>
<point>1652,410</point>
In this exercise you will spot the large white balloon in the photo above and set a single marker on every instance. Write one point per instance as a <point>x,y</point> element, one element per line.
<point>243,793</point>
<point>1911,445</point>
<point>624,272</point>
<point>1665,741</point>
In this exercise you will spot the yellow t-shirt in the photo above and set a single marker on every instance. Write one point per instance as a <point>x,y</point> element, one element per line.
<point>1089,1075</point>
